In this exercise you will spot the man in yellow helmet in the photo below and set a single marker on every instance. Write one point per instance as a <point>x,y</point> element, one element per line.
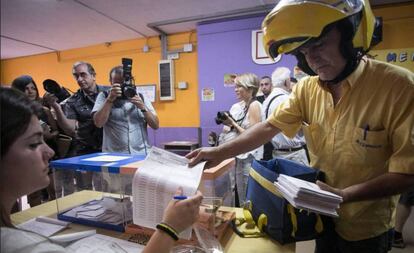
<point>357,115</point>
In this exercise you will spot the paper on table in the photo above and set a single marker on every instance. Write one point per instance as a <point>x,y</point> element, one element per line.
<point>155,183</point>
<point>43,226</point>
<point>104,244</point>
<point>66,238</point>
<point>106,158</point>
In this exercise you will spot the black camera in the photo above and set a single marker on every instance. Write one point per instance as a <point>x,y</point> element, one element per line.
<point>127,87</point>
<point>54,88</point>
<point>221,117</point>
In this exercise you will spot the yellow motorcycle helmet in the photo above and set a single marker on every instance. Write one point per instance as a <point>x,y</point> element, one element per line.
<point>292,23</point>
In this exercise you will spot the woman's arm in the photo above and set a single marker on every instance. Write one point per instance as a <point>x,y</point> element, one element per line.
<point>51,121</point>
<point>255,113</point>
<point>179,215</point>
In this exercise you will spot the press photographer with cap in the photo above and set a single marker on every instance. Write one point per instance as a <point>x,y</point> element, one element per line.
<point>123,116</point>
<point>356,114</point>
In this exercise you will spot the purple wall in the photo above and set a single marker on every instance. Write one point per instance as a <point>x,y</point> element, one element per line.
<point>166,134</point>
<point>224,48</point>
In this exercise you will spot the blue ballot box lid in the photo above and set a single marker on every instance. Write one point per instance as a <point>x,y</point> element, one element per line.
<point>108,162</point>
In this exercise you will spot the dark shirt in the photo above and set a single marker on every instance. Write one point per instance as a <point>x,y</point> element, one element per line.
<point>260,98</point>
<point>78,107</point>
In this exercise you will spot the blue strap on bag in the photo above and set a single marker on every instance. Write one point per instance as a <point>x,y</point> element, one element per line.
<point>284,223</point>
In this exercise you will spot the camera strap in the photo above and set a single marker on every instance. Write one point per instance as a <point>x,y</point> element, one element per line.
<point>270,103</point>
<point>240,121</point>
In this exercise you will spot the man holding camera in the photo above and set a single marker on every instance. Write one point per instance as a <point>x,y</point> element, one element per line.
<point>74,117</point>
<point>124,114</point>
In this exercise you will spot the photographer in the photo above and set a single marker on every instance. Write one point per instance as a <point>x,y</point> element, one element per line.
<point>242,115</point>
<point>74,118</point>
<point>124,119</point>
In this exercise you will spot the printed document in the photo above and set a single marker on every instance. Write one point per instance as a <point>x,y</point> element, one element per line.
<point>155,183</point>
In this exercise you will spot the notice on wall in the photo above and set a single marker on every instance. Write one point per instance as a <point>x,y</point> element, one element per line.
<point>259,55</point>
<point>207,94</point>
<point>148,91</point>
<point>403,57</point>
<point>229,80</point>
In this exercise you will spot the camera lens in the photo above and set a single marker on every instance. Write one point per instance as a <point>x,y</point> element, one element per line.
<point>129,91</point>
<point>221,116</point>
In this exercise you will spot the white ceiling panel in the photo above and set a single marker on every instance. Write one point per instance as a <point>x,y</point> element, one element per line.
<point>37,26</point>
<point>13,49</point>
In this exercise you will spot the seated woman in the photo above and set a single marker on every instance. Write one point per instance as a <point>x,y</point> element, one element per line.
<point>24,151</point>
<point>244,114</point>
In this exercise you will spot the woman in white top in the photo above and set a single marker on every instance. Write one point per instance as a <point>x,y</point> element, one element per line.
<point>24,151</point>
<point>244,114</point>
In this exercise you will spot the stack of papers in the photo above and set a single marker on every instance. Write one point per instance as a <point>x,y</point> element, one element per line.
<point>108,210</point>
<point>306,195</point>
<point>155,182</point>
<point>43,225</point>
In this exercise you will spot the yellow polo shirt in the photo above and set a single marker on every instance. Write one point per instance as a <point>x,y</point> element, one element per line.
<point>368,133</point>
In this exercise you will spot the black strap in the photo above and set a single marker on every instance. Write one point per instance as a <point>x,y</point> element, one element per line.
<point>240,121</point>
<point>268,146</point>
<point>270,102</point>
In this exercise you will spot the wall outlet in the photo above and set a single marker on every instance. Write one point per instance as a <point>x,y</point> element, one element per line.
<point>173,56</point>
<point>188,47</point>
<point>182,85</point>
<point>145,49</point>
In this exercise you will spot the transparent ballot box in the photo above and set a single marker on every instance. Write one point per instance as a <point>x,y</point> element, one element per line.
<point>216,182</point>
<point>96,189</point>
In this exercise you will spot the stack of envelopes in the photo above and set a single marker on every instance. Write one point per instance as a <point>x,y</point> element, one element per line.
<point>307,195</point>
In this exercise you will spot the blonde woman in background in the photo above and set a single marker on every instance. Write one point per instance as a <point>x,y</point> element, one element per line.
<point>244,114</point>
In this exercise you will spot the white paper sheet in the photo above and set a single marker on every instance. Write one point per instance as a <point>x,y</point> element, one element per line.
<point>67,238</point>
<point>155,183</point>
<point>104,244</point>
<point>43,226</point>
<point>106,158</point>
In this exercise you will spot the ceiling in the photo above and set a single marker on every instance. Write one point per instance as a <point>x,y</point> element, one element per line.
<point>30,27</point>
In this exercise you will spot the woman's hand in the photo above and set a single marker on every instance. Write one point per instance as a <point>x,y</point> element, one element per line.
<point>181,214</point>
<point>229,121</point>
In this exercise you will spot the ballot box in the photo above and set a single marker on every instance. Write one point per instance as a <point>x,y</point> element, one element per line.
<point>181,147</point>
<point>109,176</point>
<point>216,182</point>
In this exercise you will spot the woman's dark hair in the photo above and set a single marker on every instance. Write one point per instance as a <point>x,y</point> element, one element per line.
<point>16,113</point>
<point>21,82</point>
